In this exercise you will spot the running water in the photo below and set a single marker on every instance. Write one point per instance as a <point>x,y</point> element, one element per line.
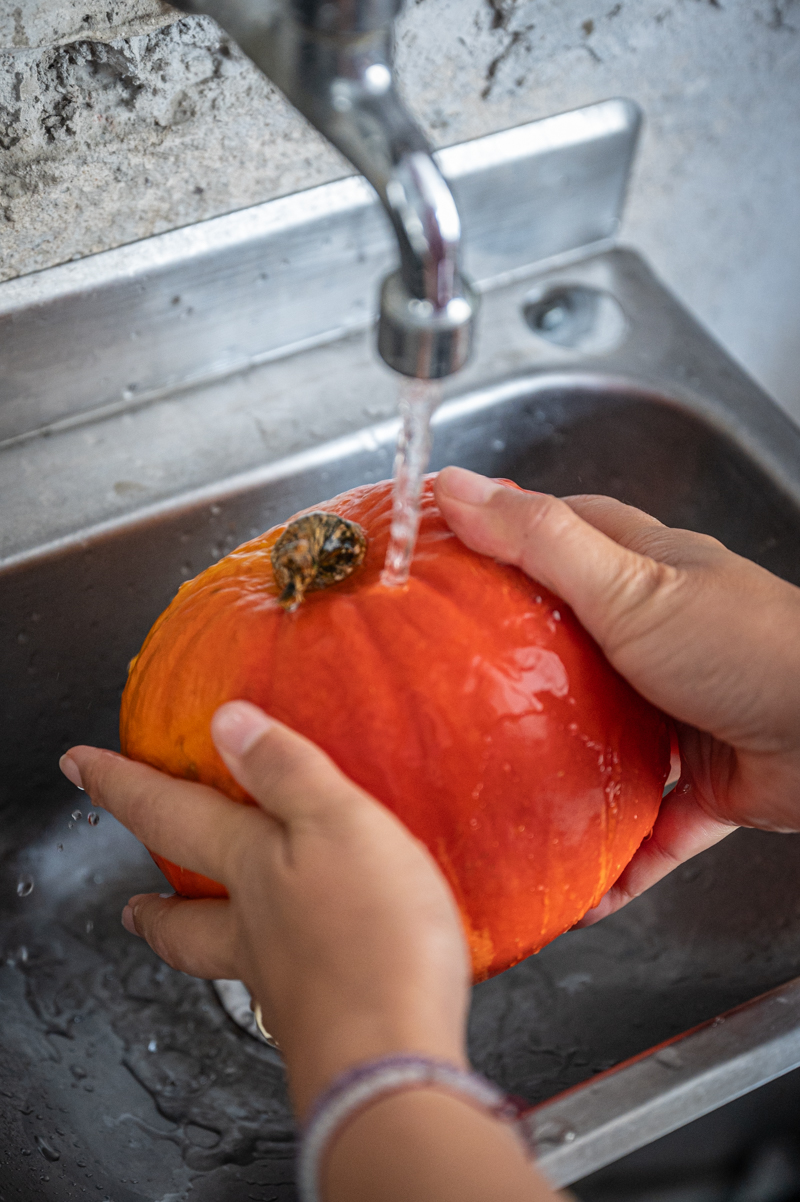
<point>418,400</point>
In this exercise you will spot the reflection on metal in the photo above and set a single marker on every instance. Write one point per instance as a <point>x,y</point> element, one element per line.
<point>236,1001</point>
<point>620,1110</point>
<point>136,323</point>
<point>270,1039</point>
<point>280,421</point>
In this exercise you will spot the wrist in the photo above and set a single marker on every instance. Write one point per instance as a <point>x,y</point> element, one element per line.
<point>315,1059</point>
<point>408,1109</point>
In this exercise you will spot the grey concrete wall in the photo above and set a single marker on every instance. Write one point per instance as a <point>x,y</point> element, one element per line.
<point>118,120</point>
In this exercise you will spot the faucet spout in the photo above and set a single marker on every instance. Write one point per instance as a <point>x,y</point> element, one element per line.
<point>333,61</point>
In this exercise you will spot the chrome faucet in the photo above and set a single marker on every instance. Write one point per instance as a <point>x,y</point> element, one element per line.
<point>333,61</point>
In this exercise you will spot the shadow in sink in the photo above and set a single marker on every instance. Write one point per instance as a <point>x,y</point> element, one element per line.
<point>124,1079</point>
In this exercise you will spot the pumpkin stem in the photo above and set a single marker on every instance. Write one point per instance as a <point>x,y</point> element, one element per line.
<point>315,551</point>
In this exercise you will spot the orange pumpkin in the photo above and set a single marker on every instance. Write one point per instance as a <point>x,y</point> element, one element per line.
<point>470,702</point>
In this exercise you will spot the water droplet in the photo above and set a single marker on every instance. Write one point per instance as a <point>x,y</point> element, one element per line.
<point>89,926</point>
<point>669,1058</point>
<point>23,954</point>
<point>25,886</point>
<point>70,825</point>
<point>552,1133</point>
<point>92,818</point>
<point>556,616</point>
<point>152,1046</point>
<point>76,815</point>
<point>49,1153</point>
<point>59,847</point>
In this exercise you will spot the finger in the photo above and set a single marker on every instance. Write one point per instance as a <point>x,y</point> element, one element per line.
<point>619,521</point>
<point>639,532</point>
<point>608,586</point>
<point>287,774</point>
<point>195,937</point>
<point>682,830</point>
<point>188,823</point>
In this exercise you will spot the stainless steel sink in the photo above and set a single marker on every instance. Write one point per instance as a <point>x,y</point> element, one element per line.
<point>123,1080</point>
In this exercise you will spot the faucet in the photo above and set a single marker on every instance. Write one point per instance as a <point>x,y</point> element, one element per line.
<point>333,61</point>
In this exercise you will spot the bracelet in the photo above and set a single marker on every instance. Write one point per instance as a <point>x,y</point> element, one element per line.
<point>357,1088</point>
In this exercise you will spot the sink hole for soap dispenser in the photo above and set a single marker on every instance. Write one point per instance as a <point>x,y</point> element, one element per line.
<point>575,317</point>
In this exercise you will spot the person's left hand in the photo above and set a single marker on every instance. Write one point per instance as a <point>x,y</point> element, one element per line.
<point>339,921</point>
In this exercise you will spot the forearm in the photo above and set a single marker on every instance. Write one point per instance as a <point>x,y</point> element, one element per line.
<point>431,1146</point>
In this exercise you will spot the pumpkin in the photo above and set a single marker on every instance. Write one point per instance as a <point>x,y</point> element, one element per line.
<point>470,702</point>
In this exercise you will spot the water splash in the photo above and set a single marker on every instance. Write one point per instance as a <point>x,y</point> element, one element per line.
<point>25,885</point>
<point>418,400</point>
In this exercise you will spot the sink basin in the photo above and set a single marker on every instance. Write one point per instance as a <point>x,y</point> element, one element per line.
<point>125,1079</point>
<point>168,415</point>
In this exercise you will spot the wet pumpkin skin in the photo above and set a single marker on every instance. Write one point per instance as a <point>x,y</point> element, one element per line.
<point>470,702</point>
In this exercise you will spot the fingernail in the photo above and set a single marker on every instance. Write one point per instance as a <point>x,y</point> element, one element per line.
<point>237,726</point>
<point>127,921</point>
<point>467,487</point>
<point>71,771</point>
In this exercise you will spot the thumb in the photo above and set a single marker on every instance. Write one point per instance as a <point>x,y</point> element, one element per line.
<point>613,591</point>
<point>287,774</point>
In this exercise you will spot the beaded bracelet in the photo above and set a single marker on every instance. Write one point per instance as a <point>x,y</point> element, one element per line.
<point>357,1088</point>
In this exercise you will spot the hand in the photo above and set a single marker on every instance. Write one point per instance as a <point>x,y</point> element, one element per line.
<point>709,637</point>
<point>339,922</point>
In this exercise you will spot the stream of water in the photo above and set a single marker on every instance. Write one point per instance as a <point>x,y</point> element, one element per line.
<point>418,400</point>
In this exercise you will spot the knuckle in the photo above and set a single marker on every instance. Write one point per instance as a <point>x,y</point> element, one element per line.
<point>248,836</point>
<point>297,766</point>
<point>679,547</point>
<point>546,510</point>
<point>158,929</point>
<point>97,776</point>
<point>638,600</point>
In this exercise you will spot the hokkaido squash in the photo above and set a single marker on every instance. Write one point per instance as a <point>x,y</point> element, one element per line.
<point>470,702</point>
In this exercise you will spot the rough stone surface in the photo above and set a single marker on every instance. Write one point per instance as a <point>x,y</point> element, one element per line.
<point>31,23</point>
<point>121,120</point>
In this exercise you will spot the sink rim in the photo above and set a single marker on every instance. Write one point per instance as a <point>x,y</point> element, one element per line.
<point>589,380</point>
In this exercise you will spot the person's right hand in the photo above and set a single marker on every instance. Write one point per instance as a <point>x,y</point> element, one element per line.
<point>709,637</point>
